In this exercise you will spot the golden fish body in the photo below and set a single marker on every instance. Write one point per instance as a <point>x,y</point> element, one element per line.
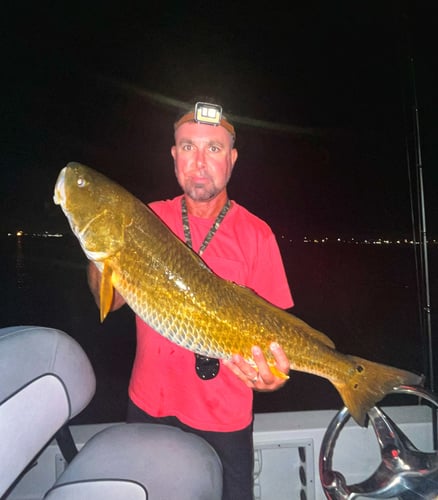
<point>171,288</point>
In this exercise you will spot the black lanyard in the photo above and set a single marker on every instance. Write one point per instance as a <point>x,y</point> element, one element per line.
<point>211,232</point>
<point>206,368</point>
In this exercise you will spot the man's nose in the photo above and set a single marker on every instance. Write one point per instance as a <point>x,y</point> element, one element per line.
<point>200,158</point>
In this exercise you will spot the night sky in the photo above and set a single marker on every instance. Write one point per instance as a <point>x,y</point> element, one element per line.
<point>318,94</point>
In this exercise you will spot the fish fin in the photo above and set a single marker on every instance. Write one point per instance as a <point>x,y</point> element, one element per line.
<point>297,324</point>
<point>307,330</point>
<point>321,337</point>
<point>106,291</point>
<point>369,384</point>
<point>278,373</point>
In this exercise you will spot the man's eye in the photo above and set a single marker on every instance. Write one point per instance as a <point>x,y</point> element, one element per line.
<point>214,149</point>
<point>187,147</point>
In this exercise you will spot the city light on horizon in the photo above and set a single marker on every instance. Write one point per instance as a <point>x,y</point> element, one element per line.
<point>315,240</point>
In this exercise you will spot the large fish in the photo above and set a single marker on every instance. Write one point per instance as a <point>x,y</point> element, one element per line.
<point>171,288</point>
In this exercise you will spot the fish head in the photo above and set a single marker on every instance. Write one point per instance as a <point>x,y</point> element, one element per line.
<point>97,209</point>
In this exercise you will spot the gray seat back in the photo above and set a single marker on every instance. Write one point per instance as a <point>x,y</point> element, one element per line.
<point>46,379</point>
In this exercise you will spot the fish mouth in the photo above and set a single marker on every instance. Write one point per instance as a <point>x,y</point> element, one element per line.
<point>59,194</point>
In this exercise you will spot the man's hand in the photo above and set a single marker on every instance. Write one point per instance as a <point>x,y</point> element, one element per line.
<point>260,377</point>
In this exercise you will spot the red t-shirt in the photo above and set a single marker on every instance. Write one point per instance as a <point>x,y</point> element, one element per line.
<point>164,380</point>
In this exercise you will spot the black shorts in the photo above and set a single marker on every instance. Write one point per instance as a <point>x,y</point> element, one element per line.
<point>235,449</point>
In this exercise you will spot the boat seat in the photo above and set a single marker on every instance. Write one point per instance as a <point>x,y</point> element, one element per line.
<point>47,379</point>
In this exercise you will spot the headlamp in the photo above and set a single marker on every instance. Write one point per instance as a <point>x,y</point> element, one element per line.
<point>210,114</point>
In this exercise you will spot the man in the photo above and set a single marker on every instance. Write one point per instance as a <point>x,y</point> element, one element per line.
<point>170,384</point>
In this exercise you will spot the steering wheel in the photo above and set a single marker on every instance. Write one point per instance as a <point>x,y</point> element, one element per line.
<point>404,471</point>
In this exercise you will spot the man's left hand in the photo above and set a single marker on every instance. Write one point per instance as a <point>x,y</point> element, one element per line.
<point>260,377</point>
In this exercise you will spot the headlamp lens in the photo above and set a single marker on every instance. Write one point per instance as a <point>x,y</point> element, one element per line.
<point>208,113</point>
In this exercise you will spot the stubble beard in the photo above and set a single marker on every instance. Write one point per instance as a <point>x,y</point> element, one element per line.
<point>200,192</point>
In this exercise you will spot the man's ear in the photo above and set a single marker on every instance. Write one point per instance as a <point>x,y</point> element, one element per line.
<point>234,155</point>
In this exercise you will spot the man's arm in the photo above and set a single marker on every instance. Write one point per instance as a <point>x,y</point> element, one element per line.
<point>94,278</point>
<point>270,281</point>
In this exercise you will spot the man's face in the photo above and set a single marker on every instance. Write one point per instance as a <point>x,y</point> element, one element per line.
<point>204,159</point>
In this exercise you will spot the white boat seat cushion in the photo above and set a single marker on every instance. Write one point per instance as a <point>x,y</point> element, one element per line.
<point>170,463</point>
<point>27,352</point>
<point>46,378</point>
<point>99,489</point>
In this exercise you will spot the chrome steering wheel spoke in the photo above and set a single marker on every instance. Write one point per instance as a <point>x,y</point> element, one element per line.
<point>404,471</point>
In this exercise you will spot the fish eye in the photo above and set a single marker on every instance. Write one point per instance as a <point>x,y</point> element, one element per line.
<point>81,182</point>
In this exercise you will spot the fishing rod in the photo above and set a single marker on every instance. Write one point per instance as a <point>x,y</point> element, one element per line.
<point>415,171</point>
<point>418,215</point>
<point>422,244</point>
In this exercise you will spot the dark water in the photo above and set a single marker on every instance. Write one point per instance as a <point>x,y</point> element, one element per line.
<point>363,296</point>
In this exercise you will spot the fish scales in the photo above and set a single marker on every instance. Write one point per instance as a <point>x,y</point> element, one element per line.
<point>171,288</point>
<point>190,303</point>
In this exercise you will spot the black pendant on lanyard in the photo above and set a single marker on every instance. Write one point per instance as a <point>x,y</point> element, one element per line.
<point>206,368</point>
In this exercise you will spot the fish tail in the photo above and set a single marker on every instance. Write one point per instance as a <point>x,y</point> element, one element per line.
<point>370,383</point>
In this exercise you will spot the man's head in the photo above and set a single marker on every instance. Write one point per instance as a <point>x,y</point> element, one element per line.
<point>204,156</point>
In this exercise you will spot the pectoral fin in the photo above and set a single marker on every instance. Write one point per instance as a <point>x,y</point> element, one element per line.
<point>278,373</point>
<point>106,291</point>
